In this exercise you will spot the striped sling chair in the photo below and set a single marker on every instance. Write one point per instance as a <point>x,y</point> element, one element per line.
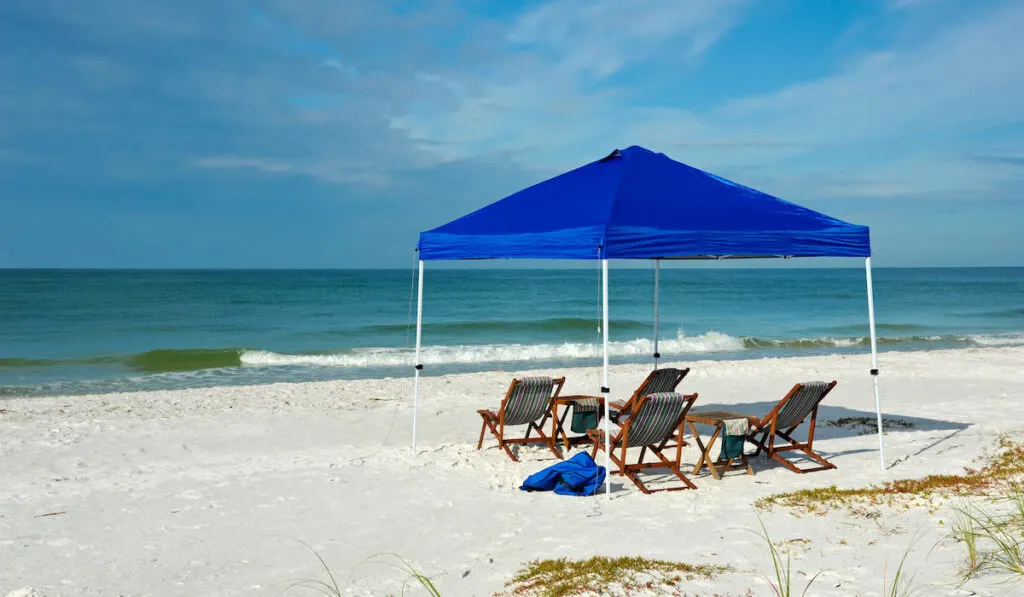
<point>658,382</point>
<point>653,421</point>
<point>527,402</point>
<point>788,414</point>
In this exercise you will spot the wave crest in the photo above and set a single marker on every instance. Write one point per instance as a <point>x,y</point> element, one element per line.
<point>170,360</point>
<point>711,342</point>
<point>496,353</point>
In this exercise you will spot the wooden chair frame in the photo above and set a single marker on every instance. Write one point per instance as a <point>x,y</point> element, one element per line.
<point>630,470</point>
<point>766,427</point>
<point>621,406</point>
<point>496,423</point>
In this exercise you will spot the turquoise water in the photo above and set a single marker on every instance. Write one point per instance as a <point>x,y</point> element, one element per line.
<point>69,332</point>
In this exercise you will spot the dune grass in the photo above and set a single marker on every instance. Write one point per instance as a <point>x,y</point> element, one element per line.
<point>331,588</point>
<point>1003,469</point>
<point>994,542</point>
<point>902,582</point>
<point>782,583</point>
<point>564,577</point>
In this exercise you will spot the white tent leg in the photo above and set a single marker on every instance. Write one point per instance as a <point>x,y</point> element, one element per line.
<point>657,279</point>
<point>605,391</point>
<point>874,361</point>
<point>419,366</point>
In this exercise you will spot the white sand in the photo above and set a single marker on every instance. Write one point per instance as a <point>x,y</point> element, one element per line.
<point>207,491</point>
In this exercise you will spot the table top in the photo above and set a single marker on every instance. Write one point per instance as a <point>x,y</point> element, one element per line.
<point>716,417</point>
<point>574,397</point>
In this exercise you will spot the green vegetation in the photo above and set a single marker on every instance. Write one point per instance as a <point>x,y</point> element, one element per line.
<point>993,538</point>
<point>1005,468</point>
<point>902,583</point>
<point>781,585</point>
<point>331,588</point>
<point>994,542</point>
<point>965,530</point>
<point>562,577</point>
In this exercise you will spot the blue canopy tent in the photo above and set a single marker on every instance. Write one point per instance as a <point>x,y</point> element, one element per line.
<point>638,204</point>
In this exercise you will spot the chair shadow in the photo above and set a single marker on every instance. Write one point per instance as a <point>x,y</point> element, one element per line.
<point>833,422</point>
<point>836,422</point>
<point>839,422</point>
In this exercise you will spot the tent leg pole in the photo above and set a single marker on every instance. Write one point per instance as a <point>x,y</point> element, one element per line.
<point>418,365</point>
<point>605,391</point>
<point>657,280</point>
<point>874,361</point>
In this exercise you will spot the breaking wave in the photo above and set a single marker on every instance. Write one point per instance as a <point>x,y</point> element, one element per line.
<point>173,360</point>
<point>711,342</point>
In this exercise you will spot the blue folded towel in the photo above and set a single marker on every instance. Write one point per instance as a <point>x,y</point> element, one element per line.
<point>579,475</point>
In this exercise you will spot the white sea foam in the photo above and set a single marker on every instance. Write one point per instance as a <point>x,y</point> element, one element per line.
<point>682,344</point>
<point>997,340</point>
<point>491,353</point>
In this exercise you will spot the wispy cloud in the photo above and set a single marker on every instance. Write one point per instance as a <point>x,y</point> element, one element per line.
<point>1009,160</point>
<point>542,89</point>
<point>962,77</point>
<point>908,4</point>
<point>366,173</point>
<point>389,114</point>
<point>598,37</point>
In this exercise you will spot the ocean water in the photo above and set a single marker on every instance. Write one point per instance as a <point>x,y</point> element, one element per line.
<point>73,332</point>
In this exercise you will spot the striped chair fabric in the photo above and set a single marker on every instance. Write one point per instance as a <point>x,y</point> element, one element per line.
<point>801,404</point>
<point>586,405</point>
<point>657,419</point>
<point>664,380</point>
<point>529,401</point>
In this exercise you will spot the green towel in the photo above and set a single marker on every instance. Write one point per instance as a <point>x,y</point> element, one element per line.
<point>585,414</point>
<point>734,435</point>
<point>583,421</point>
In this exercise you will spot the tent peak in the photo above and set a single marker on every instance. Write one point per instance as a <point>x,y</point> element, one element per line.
<point>640,204</point>
<point>632,149</point>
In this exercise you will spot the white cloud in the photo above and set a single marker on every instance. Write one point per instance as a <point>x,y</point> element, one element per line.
<point>539,91</point>
<point>969,75</point>
<point>532,100</point>
<point>908,4</point>
<point>366,173</point>
<point>959,79</point>
<point>598,37</point>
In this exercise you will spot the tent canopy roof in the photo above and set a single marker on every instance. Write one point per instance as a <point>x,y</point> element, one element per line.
<point>638,204</point>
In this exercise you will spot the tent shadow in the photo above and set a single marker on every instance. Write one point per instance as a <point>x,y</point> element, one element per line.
<point>833,422</point>
<point>840,422</point>
<point>836,422</point>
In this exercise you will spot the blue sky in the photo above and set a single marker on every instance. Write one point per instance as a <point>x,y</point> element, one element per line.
<point>327,133</point>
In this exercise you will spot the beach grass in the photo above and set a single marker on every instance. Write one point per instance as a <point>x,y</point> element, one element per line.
<point>563,577</point>
<point>781,579</point>
<point>965,530</point>
<point>902,584</point>
<point>1002,470</point>
<point>994,541</point>
<point>331,588</point>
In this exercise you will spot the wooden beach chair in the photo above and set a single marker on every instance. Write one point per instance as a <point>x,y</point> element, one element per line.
<point>653,422</point>
<point>658,382</point>
<point>527,402</point>
<point>802,401</point>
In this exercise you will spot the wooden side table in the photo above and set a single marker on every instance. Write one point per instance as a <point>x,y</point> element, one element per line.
<point>716,419</point>
<point>558,424</point>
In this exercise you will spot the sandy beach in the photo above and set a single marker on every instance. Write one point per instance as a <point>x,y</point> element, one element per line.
<point>210,491</point>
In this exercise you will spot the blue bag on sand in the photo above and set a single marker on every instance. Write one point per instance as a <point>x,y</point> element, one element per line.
<point>579,475</point>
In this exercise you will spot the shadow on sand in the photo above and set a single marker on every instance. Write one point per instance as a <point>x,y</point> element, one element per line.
<point>836,422</point>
